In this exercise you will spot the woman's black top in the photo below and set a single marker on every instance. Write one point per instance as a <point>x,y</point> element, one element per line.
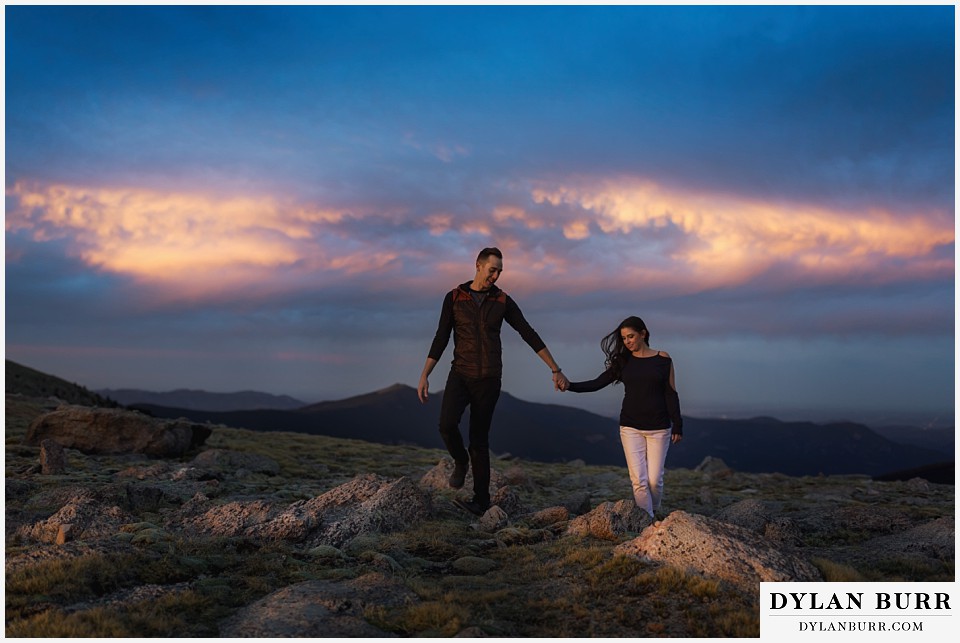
<point>649,402</point>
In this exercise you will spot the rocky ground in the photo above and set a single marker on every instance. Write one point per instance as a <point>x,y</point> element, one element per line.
<point>133,527</point>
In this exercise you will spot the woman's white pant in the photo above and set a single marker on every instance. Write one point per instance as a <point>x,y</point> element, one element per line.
<point>646,453</point>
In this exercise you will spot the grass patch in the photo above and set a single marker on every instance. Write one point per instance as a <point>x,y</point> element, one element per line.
<point>837,572</point>
<point>437,618</point>
<point>225,574</point>
<point>911,570</point>
<point>75,580</point>
<point>182,614</point>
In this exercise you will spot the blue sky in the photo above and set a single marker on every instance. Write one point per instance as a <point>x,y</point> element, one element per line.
<point>277,198</point>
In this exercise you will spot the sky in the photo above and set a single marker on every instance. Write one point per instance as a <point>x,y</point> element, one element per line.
<point>278,198</point>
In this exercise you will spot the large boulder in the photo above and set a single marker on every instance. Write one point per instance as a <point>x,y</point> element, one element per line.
<point>714,468</point>
<point>320,608</point>
<point>366,504</point>
<point>84,517</point>
<point>239,518</point>
<point>717,549</point>
<point>929,545</point>
<point>112,431</point>
<point>235,463</point>
<point>759,518</point>
<point>935,539</point>
<point>750,514</point>
<point>437,479</point>
<point>395,505</point>
<point>610,521</point>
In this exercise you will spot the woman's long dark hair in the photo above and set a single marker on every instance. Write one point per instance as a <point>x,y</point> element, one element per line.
<point>612,345</point>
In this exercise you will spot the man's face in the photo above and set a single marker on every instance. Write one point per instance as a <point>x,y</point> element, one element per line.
<point>488,271</point>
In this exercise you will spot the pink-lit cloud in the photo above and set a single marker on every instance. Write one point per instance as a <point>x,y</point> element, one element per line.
<point>575,235</point>
<point>729,239</point>
<point>189,244</point>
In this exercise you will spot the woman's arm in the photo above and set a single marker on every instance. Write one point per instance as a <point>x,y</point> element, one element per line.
<point>673,406</point>
<point>604,379</point>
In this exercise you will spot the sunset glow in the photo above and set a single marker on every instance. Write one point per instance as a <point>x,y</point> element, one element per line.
<point>188,243</point>
<point>278,197</point>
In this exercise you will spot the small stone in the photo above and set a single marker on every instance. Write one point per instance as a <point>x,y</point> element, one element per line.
<point>494,519</point>
<point>53,460</point>
<point>150,537</point>
<point>474,565</point>
<point>549,516</point>
<point>64,534</point>
<point>325,552</point>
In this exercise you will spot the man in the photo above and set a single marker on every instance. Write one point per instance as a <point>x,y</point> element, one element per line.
<point>475,311</point>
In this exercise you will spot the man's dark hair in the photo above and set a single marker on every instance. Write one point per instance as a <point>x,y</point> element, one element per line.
<point>486,252</point>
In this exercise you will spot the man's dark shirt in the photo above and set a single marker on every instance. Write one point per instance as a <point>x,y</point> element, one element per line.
<point>477,351</point>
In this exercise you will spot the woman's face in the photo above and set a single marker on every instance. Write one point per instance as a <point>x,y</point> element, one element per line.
<point>632,338</point>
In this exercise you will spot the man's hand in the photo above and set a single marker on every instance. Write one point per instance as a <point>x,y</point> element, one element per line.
<point>560,382</point>
<point>423,387</point>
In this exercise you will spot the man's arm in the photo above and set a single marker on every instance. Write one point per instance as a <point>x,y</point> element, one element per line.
<point>424,386</point>
<point>440,341</point>
<point>560,381</point>
<point>515,318</point>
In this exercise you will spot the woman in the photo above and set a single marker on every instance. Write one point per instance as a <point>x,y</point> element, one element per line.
<point>650,415</point>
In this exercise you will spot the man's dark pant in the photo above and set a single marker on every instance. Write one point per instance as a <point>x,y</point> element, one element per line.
<point>481,396</point>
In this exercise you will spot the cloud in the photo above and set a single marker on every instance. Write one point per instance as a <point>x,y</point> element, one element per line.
<point>727,240</point>
<point>189,245</point>
<point>573,235</point>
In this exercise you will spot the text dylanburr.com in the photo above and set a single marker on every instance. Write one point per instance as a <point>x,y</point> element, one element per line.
<point>848,610</point>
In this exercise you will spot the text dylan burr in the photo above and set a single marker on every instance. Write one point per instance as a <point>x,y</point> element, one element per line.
<point>855,601</point>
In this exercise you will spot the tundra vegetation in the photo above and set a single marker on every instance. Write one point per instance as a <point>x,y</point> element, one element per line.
<point>286,534</point>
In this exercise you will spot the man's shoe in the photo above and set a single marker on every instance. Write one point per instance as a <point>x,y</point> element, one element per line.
<point>472,506</point>
<point>459,474</point>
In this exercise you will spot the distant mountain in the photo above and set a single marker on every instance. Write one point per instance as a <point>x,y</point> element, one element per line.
<point>552,433</point>
<point>203,400</point>
<point>395,416</point>
<point>798,448</point>
<point>939,439</point>
<point>543,432</point>
<point>23,380</point>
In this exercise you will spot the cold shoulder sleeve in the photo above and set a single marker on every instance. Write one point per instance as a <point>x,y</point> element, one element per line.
<point>673,408</point>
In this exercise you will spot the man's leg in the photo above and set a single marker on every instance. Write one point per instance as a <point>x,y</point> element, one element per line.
<point>456,397</point>
<point>485,394</point>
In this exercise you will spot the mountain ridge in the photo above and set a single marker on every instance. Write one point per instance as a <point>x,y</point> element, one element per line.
<point>202,400</point>
<point>558,433</point>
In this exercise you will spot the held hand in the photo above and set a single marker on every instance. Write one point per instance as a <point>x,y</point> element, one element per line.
<point>422,390</point>
<point>560,382</point>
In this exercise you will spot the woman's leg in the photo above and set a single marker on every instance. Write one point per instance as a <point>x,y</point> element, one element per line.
<point>635,450</point>
<point>658,442</point>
